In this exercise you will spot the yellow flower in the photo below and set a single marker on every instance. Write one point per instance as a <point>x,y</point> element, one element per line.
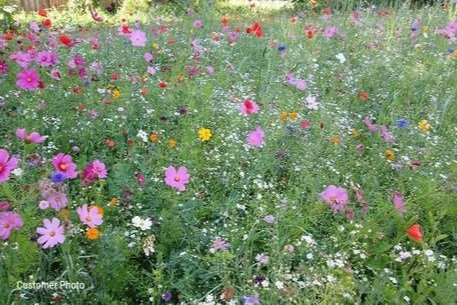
<point>283,115</point>
<point>453,55</point>
<point>355,133</point>
<point>92,233</point>
<point>116,93</point>
<point>335,139</point>
<point>113,202</point>
<point>389,154</point>
<point>171,143</point>
<point>204,134</point>
<point>65,213</point>
<point>155,45</point>
<point>424,126</point>
<point>293,115</point>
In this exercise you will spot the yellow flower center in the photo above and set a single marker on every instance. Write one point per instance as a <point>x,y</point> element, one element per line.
<point>63,166</point>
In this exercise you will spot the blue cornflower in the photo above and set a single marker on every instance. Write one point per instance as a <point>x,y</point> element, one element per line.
<point>281,48</point>
<point>402,123</point>
<point>58,177</point>
<point>167,296</point>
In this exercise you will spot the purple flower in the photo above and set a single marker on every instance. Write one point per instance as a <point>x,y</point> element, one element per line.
<point>262,258</point>
<point>51,233</point>
<point>7,164</point>
<point>138,38</point>
<point>250,300</point>
<point>177,178</point>
<point>219,244</point>
<point>167,296</point>
<point>398,202</point>
<point>330,31</point>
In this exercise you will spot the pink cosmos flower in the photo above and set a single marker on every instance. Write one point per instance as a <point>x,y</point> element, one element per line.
<point>9,221</point>
<point>249,107</point>
<point>95,169</point>
<point>290,78</point>
<point>138,38</point>
<point>177,178</point>
<point>337,197</point>
<point>46,59</point>
<point>63,163</point>
<point>90,216</point>
<point>57,200</point>
<point>398,201</point>
<point>34,137</point>
<point>51,233</point>
<point>6,165</point>
<point>198,24</point>
<point>256,138</point>
<point>22,59</point>
<point>330,31</point>
<point>28,79</point>
<point>55,74</point>
<point>219,244</point>
<point>148,56</point>
<point>300,84</point>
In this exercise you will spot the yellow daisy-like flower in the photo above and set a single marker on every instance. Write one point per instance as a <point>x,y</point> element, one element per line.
<point>116,93</point>
<point>424,126</point>
<point>171,143</point>
<point>283,115</point>
<point>155,45</point>
<point>335,139</point>
<point>204,134</point>
<point>293,115</point>
<point>355,133</point>
<point>389,154</point>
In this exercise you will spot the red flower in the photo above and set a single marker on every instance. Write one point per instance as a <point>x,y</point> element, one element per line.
<point>327,11</point>
<point>256,28</point>
<point>115,76</point>
<point>305,124</point>
<point>363,96</point>
<point>163,84</point>
<point>65,40</point>
<point>47,23</point>
<point>224,21</point>
<point>415,232</point>
<point>42,13</point>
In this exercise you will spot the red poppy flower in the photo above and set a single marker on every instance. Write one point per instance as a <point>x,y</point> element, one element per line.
<point>363,96</point>
<point>415,232</point>
<point>126,30</point>
<point>115,76</point>
<point>224,21</point>
<point>327,11</point>
<point>305,124</point>
<point>163,84</point>
<point>47,23</point>
<point>257,29</point>
<point>65,40</point>
<point>42,13</point>
<point>9,35</point>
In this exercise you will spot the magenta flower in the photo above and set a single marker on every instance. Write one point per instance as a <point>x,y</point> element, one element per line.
<point>95,169</point>
<point>177,178</point>
<point>63,163</point>
<point>398,201</point>
<point>90,216</point>
<point>3,67</point>
<point>138,38</point>
<point>34,137</point>
<point>300,84</point>
<point>249,107</point>
<point>337,197</point>
<point>9,221</point>
<point>51,233</point>
<point>7,164</point>
<point>28,79</point>
<point>57,200</point>
<point>256,138</point>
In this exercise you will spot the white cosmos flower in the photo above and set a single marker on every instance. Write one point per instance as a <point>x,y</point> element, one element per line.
<point>143,224</point>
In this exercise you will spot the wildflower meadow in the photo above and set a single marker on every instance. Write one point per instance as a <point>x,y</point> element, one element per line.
<point>218,154</point>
